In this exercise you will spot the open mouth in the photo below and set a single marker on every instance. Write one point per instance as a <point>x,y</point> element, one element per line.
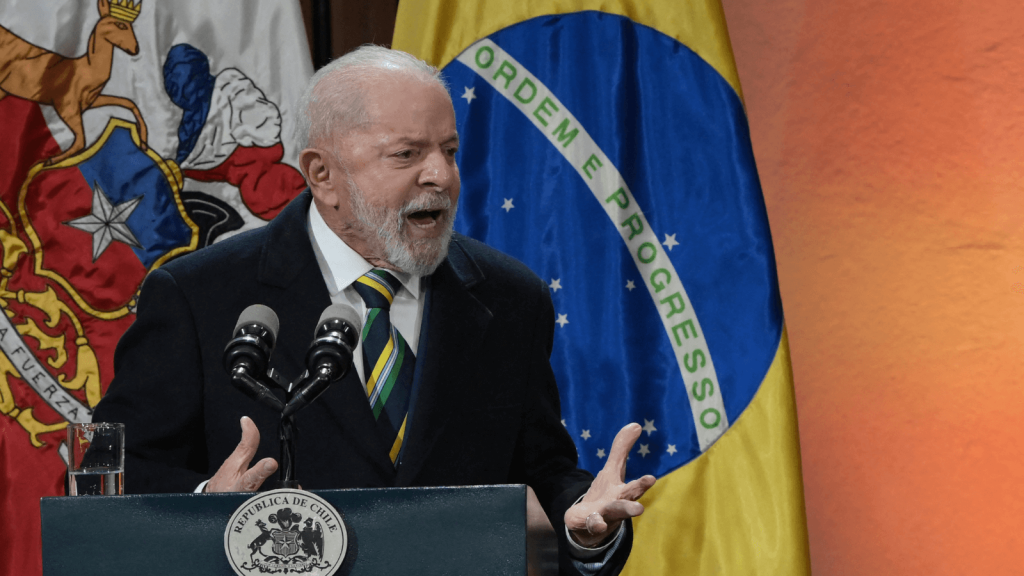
<point>425,218</point>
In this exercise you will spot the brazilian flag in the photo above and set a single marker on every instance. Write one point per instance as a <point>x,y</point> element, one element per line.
<point>605,144</point>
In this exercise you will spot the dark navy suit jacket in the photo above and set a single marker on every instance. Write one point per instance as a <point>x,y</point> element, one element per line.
<point>485,408</point>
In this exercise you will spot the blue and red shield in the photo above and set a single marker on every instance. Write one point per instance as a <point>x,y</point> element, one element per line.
<point>101,220</point>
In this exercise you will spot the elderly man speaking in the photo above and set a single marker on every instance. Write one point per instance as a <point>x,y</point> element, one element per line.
<point>473,399</point>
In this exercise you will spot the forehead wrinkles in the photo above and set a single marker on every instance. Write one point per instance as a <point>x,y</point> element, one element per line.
<point>387,125</point>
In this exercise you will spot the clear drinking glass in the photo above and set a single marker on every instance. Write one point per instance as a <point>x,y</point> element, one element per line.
<point>96,459</point>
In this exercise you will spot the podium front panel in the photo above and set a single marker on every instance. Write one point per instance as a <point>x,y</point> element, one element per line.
<point>476,530</point>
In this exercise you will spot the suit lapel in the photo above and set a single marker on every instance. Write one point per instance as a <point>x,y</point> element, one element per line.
<point>454,324</point>
<point>292,283</point>
<point>297,292</point>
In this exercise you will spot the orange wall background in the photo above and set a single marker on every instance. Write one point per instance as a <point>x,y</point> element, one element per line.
<point>889,137</point>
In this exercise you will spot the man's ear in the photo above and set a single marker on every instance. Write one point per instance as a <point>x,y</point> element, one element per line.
<point>313,163</point>
<point>320,175</point>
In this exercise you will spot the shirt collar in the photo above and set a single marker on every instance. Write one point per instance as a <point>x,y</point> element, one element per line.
<point>343,264</point>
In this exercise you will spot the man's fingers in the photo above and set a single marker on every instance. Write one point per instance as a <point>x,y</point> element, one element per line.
<point>573,521</point>
<point>234,474</point>
<point>621,446</point>
<point>576,517</point>
<point>613,510</point>
<point>247,446</point>
<point>254,477</point>
<point>595,524</point>
<point>620,510</point>
<point>635,489</point>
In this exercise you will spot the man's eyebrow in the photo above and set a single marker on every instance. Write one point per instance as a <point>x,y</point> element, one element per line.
<point>409,141</point>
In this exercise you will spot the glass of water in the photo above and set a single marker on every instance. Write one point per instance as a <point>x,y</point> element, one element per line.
<point>96,459</point>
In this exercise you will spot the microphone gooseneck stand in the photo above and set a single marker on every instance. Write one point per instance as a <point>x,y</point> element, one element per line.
<point>295,399</point>
<point>298,394</point>
<point>286,434</point>
<point>328,359</point>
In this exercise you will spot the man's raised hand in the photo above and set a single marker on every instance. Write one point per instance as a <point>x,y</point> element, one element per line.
<point>610,500</point>
<point>234,474</point>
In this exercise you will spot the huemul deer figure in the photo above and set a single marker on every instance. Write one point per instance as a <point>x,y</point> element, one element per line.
<point>72,85</point>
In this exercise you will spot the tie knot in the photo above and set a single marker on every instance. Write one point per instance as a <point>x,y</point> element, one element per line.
<point>377,288</point>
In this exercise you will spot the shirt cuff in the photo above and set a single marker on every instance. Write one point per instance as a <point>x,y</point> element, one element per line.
<point>583,553</point>
<point>201,487</point>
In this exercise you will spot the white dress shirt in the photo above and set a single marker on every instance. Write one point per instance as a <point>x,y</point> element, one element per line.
<point>342,266</point>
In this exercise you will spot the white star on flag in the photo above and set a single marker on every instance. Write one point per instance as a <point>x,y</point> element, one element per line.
<point>556,284</point>
<point>644,450</point>
<point>630,285</point>
<point>649,426</point>
<point>670,241</point>
<point>600,452</point>
<point>107,222</point>
<point>672,449</point>
<point>563,421</point>
<point>507,205</point>
<point>585,435</point>
<point>563,319</point>
<point>469,94</point>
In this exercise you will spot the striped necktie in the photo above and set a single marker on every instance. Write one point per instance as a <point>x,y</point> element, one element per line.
<point>387,360</point>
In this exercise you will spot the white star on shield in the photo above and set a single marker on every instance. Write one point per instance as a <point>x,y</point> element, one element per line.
<point>107,222</point>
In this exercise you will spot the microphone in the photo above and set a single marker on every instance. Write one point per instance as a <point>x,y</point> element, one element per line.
<point>248,352</point>
<point>329,357</point>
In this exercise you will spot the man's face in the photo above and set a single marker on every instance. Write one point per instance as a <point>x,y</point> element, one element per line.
<point>401,189</point>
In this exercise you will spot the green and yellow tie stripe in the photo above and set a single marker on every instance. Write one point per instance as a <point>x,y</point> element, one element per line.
<point>387,360</point>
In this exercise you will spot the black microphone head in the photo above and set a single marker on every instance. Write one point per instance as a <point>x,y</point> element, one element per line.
<point>253,340</point>
<point>259,314</point>
<point>333,319</point>
<point>336,335</point>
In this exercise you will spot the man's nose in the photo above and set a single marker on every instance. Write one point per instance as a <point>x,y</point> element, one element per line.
<point>438,171</point>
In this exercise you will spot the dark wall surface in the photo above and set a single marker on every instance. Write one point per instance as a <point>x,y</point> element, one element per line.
<point>354,23</point>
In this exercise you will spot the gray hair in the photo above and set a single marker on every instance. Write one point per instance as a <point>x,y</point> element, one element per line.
<point>326,107</point>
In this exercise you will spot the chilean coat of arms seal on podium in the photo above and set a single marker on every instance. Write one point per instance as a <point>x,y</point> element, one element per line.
<point>285,531</point>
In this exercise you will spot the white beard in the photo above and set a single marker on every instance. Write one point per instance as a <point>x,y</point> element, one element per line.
<point>418,257</point>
